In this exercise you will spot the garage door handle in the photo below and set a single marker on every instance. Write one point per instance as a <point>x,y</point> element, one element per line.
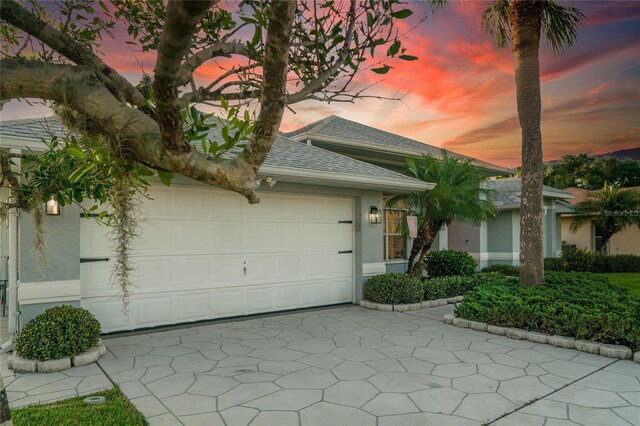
<point>93,259</point>
<point>345,251</point>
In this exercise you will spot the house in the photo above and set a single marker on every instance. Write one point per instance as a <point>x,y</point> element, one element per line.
<point>497,241</point>
<point>206,253</point>
<point>587,236</point>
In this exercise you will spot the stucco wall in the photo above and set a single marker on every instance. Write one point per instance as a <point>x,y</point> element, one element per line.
<point>583,237</point>
<point>625,242</point>
<point>63,247</point>
<point>499,232</point>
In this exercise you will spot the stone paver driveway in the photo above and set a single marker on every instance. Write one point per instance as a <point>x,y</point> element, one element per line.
<point>351,366</point>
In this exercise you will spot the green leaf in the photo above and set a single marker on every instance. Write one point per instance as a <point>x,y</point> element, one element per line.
<point>408,57</point>
<point>402,14</point>
<point>165,177</point>
<point>382,70</point>
<point>394,48</point>
<point>76,152</point>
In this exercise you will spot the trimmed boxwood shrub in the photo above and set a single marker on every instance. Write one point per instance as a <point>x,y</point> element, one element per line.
<point>458,285</point>
<point>58,332</point>
<point>509,270</point>
<point>581,305</point>
<point>586,261</point>
<point>393,289</point>
<point>444,263</point>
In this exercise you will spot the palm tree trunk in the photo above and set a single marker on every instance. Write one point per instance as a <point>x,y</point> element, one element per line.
<point>525,17</point>
<point>416,247</point>
<point>428,235</point>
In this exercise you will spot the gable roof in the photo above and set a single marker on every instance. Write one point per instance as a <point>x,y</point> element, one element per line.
<point>506,193</point>
<point>289,161</point>
<point>340,129</point>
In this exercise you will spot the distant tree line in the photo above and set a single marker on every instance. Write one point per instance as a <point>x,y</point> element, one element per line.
<point>583,171</point>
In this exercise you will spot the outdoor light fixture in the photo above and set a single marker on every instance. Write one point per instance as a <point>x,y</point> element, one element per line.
<point>53,207</point>
<point>375,215</point>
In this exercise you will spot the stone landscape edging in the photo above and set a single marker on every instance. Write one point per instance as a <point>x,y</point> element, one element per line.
<point>22,365</point>
<point>404,307</point>
<point>588,346</point>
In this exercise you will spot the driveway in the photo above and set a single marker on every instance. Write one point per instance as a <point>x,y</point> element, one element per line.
<point>352,366</point>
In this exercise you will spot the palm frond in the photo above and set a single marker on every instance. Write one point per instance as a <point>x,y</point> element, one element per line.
<point>560,25</point>
<point>495,22</point>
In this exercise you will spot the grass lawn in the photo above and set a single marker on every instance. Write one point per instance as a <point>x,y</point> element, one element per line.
<point>117,411</point>
<point>630,280</point>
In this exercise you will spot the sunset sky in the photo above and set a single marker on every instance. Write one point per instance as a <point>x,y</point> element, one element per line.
<point>460,94</point>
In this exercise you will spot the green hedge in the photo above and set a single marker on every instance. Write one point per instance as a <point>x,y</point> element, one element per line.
<point>586,261</point>
<point>57,333</point>
<point>393,289</point>
<point>458,285</point>
<point>509,270</point>
<point>444,263</point>
<point>581,305</point>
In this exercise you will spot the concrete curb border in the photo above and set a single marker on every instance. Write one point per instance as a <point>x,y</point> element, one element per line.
<point>588,346</point>
<point>425,304</point>
<point>21,365</point>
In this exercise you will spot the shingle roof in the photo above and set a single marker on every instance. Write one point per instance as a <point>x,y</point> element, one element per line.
<point>285,153</point>
<point>506,192</point>
<point>338,127</point>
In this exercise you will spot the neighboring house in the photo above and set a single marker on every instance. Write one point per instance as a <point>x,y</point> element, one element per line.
<point>207,253</point>
<point>587,236</point>
<point>497,241</point>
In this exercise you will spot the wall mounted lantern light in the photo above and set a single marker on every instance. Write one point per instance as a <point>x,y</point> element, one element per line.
<point>375,215</point>
<point>53,207</point>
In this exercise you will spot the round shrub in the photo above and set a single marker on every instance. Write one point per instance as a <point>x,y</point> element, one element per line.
<point>444,263</point>
<point>508,270</point>
<point>393,289</point>
<point>57,333</point>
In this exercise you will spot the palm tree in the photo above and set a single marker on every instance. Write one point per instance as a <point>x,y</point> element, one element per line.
<point>458,195</point>
<point>614,210</point>
<point>522,22</point>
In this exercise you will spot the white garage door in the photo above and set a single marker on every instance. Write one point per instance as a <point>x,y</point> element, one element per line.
<point>208,253</point>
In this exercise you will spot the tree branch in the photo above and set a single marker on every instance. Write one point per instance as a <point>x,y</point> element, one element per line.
<point>225,49</point>
<point>273,93</point>
<point>80,89</point>
<point>181,22</point>
<point>20,17</point>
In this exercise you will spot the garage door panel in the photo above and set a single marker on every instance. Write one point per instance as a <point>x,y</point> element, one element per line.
<point>289,267</point>
<point>108,311</point>
<point>227,302</point>
<point>227,238</point>
<point>314,293</point>
<point>160,204</point>
<point>226,271</point>
<point>226,205</point>
<point>150,311</point>
<point>155,238</point>
<point>152,274</point>
<point>190,272</point>
<point>259,299</point>
<point>191,307</point>
<point>192,203</point>
<point>196,244</point>
<point>190,239</point>
<point>260,269</point>
<point>314,237</point>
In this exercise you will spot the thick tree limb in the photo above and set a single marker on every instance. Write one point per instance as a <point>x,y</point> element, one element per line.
<point>80,89</point>
<point>180,24</point>
<point>273,94</point>
<point>224,49</point>
<point>20,17</point>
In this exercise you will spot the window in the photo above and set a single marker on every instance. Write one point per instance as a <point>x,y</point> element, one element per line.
<point>395,242</point>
